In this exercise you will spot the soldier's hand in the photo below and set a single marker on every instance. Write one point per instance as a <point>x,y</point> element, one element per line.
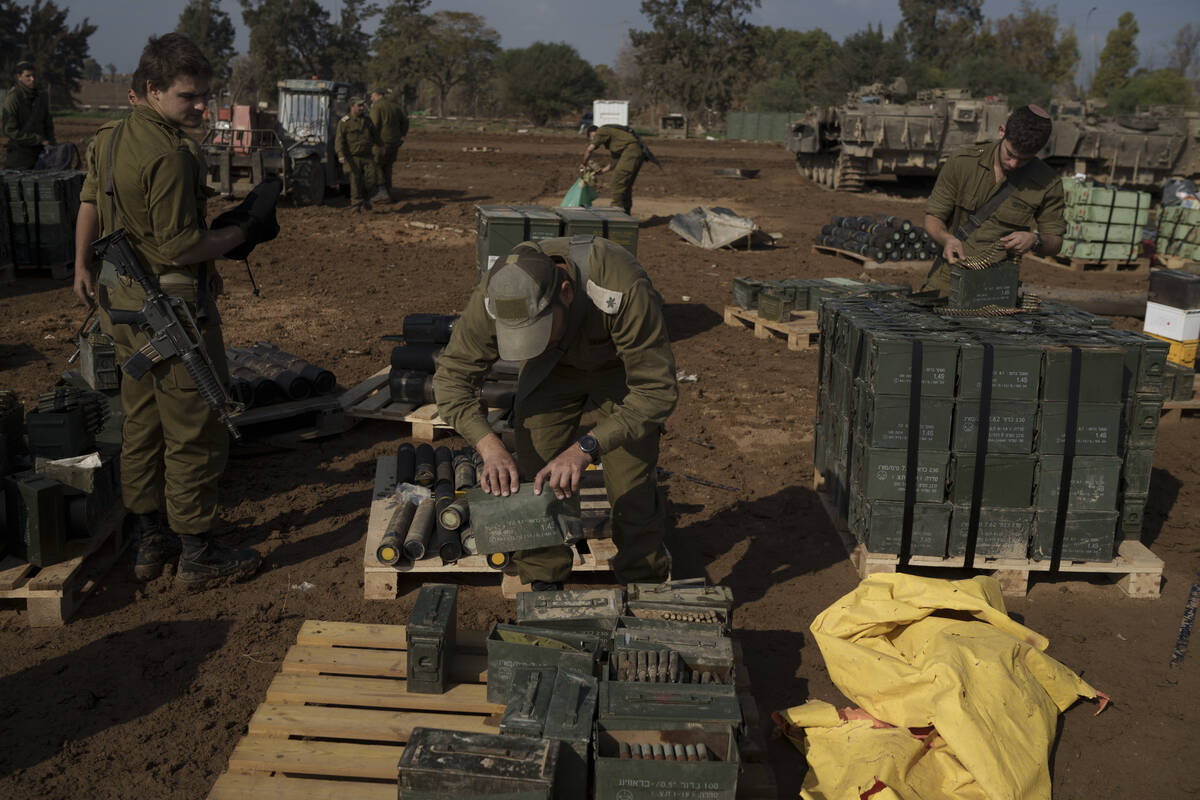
<point>1018,243</point>
<point>953,251</point>
<point>85,285</point>
<point>563,473</point>
<point>499,475</point>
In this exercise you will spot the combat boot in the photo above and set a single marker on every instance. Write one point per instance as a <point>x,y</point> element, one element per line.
<point>155,546</point>
<point>546,586</point>
<point>381,196</point>
<point>206,563</point>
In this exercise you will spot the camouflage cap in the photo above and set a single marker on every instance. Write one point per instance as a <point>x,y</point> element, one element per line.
<point>520,298</point>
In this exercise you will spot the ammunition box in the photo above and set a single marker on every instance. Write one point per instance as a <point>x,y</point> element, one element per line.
<point>1175,288</point>
<point>621,777</point>
<point>881,474</point>
<point>706,649</point>
<point>1095,483</point>
<point>112,434</point>
<point>42,210</point>
<point>995,286</point>
<point>1007,480</point>
<point>500,228</point>
<point>879,524</point>
<point>1011,429</point>
<point>98,361</point>
<point>1101,375</point>
<point>1136,471</point>
<point>1145,361</point>
<point>458,764</point>
<point>1002,532</point>
<point>571,718</point>
<point>37,521</point>
<point>1144,411</point>
<point>523,520</point>
<point>593,610</point>
<point>12,431</point>
<point>681,593</point>
<point>713,703</point>
<point>529,701</point>
<point>1087,535</point>
<point>1016,372</point>
<point>774,307</point>
<point>1097,429</point>
<point>688,617</point>
<point>1133,513</point>
<point>58,434</point>
<point>431,637</point>
<point>883,419</point>
<point>1179,383</point>
<point>511,647</point>
<point>745,292</point>
<point>610,223</point>
<point>888,365</point>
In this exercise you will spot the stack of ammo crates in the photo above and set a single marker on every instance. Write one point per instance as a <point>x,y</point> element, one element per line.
<point>608,694</point>
<point>1046,368</point>
<point>776,300</point>
<point>40,222</point>
<point>500,228</point>
<point>1173,316</point>
<point>1179,232</point>
<point>879,237</point>
<point>1103,224</point>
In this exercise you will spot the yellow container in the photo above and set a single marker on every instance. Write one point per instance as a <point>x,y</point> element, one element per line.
<point>1181,352</point>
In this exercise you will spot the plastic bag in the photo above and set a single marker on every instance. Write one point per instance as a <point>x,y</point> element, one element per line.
<point>581,193</point>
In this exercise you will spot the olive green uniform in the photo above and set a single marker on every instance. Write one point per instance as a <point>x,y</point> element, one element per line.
<point>618,363</point>
<point>968,180</point>
<point>392,124</point>
<point>27,124</point>
<point>627,152</point>
<point>174,445</point>
<point>356,141</point>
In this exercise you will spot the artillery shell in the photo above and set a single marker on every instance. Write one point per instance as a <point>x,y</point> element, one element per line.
<point>424,473</point>
<point>420,529</point>
<point>623,666</point>
<point>406,463</point>
<point>647,754</point>
<point>673,667</point>
<point>664,661</point>
<point>706,677</point>
<point>678,753</point>
<point>641,666</point>
<point>658,752</point>
<point>624,751</point>
<point>690,752</point>
<point>702,752</point>
<point>655,666</point>
<point>444,466</point>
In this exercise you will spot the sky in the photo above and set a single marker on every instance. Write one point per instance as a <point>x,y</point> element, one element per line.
<point>597,29</point>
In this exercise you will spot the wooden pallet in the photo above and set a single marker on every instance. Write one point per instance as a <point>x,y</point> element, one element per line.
<point>801,333</point>
<point>1175,410</point>
<point>372,399</point>
<point>382,581</point>
<point>867,263</point>
<point>338,713</point>
<point>53,594</point>
<point>1090,264</point>
<point>1138,571</point>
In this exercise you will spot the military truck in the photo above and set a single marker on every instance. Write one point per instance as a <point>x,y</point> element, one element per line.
<point>1137,151</point>
<point>879,132</point>
<point>296,144</point>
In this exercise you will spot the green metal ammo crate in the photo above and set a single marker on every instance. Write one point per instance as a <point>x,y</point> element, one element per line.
<point>511,647</point>
<point>1002,532</point>
<point>632,761</point>
<point>1011,429</point>
<point>1133,512</point>
<point>559,705</point>
<point>703,648</point>
<point>500,228</point>
<point>1136,471</point>
<point>1007,480</point>
<point>37,523</point>
<point>1144,413</point>
<point>774,307</point>
<point>58,434</point>
<point>883,419</point>
<point>1016,371</point>
<point>1102,373</point>
<point>713,703</point>
<point>1095,483</point>
<point>610,223</point>
<point>591,610</point>
<point>878,524</point>
<point>42,210</point>
<point>881,474</point>
<point>1097,429</point>
<point>431,636</point>
<point>456,763</point>
<point>995,286</point>
<point>888,365</point>
<point>1087,535</point>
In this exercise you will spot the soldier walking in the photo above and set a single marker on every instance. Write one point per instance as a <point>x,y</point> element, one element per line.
<point>627,153</point>
<point>355,147</point>
<point>27,122</point>
<point>586,323</point>
<point>392,125</point>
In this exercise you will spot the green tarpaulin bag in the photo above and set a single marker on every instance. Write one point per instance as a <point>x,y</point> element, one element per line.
<point>580,194</point>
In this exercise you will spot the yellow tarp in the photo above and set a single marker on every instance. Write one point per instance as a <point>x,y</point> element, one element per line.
<point>918,652</point>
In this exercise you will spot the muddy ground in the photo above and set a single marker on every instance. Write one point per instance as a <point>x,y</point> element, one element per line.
<point>144,694</point>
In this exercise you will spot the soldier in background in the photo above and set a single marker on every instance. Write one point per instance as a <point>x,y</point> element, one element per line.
<point>627,157</point>
<point>355,147</point>
<point>392,125</point>
<point>27,122</point>
<point>972,176</point>
<point>586,323</point>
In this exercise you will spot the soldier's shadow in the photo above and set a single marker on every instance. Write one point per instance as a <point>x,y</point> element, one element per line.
<point>685,320</point>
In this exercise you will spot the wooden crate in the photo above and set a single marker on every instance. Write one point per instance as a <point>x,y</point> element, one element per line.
<point>372,399</point>
<point>801,333</point>
<point>382,581</point>
<point>337,716</point>
<point>53,594</point>
<point>1090,264</point>
<point>867,263</point>
<point>1138,571</point>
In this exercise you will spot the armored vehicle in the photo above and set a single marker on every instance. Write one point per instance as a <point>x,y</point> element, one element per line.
<point>297,144</point>
<point>1138,151</point>
<point>878,133</point>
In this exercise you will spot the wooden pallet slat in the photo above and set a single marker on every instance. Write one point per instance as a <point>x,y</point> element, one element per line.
<point>1091,264</point>
<point>384,637</point>
<point>373,692</point>
<point>466,667</point>
<point>801,333</point>
<point>295,757</point>
<point>235,786</point>
<point>377,725</point>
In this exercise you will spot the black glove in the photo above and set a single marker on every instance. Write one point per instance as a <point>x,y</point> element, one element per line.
<point>255,216</point>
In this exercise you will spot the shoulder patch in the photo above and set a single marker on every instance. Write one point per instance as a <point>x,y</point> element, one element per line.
<point>346,118</point>
<point>606,300</point>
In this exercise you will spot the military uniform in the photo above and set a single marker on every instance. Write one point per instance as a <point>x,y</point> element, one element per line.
<point>27,124</point>
<point>627,151</point>
<point>356,141</point>
<point>392,125</point>
<point>173,442</point>
<point>617,361</point>
<point>968,180</point>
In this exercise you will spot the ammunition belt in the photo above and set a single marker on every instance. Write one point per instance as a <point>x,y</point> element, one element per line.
<point>1029,303</point>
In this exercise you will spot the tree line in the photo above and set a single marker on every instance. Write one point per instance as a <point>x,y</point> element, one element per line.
<point>702,57</point>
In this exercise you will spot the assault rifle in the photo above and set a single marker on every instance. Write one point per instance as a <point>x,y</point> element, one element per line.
<point>171,327</point>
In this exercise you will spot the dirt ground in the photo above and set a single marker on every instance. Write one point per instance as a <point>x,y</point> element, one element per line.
<point>144,694</point>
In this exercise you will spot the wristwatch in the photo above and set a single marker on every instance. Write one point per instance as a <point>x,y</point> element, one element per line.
<point>1037,244</point>
<point>590,447</point>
